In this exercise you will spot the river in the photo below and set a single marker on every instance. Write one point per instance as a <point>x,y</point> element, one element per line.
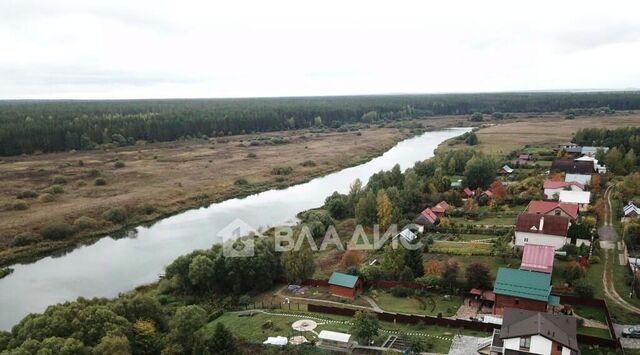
<point>114,265</point>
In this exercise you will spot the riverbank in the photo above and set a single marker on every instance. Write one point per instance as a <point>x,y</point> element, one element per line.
<point>164,179</point>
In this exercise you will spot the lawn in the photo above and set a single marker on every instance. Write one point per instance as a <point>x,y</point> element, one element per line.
<point>596,332</point>
<point>461,248</point>
<point>470,237</point>
<point>497,220</point>
<point>433,303</point>
<point>260,326</point>
<point>493,262</point>
<point>593,313</point>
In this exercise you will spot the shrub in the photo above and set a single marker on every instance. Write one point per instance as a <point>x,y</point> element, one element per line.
<point>147,208</point>
<point>55,189</point>
<point>118,164</point>
<point>26,238</point>
<point>56,231</point>
<point>115,215</point>
<point>80,163</point>
<point>583,289</point>
<point>241,181</point>
<point>282,170</point>
<point>20,205</point>
<point>59,180</point>
<point>84,222</point>
<point>46,197</point>
<point>100,182</point>
<point>594,260</point>
<point>28,194</point>
<point>93,173</point>
<point>402,292</point>
<point>252,155</point>
<point>308,163</point>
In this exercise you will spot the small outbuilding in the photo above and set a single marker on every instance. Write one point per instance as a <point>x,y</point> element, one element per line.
<point>334,341</point>
<point>345,285</point>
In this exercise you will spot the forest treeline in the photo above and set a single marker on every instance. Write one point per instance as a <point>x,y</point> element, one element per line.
<point>50,126</point>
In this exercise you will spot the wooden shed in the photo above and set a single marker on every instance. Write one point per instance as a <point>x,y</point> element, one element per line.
<point>345,285</point>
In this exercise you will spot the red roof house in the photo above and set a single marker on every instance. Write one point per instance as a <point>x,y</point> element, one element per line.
<point>426,217</point>
<point>468,192</point>
<point>553,208</point>
<point>537,258</point>
<point>441,208</point>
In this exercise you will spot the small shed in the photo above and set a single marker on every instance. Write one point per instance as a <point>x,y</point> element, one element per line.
<point>345,285</point>
<point>334,341</point>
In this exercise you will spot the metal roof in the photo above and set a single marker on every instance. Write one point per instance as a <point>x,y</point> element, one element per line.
<point>537,258</point>
<point>344,280</point>
<point>523,284</point>
<point>334,336</point>
<point>520,323</point>
<point>581,178</point>
<point>575,196</point>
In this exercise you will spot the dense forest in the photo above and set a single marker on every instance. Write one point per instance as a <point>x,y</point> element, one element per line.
<point>621,158</point>
<point>49,126</point>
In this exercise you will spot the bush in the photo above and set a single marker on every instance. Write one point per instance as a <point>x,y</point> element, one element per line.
<point>282,170</point>
<point>583,289</point>
<point>26,238</point>
<point>252,155</point>
<point>55,189</point>
<point>20,205</point>
<point>308,163</point>
<point>100,182</point>
<point>402,292</point>
<point>85,222</point>
<point>56,231</point>
<point>115,215</point>
<point>118,164</point>
<point>46,197</point>
<point>93,173</point>
<point>147,208</point>
<point>241,181</point>
<point>594,260</point>
<point>28,194</point>
<point>59,180</point>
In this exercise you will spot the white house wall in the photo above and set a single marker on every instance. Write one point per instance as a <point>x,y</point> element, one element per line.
<point>539,345</point>
<point>523,238</point>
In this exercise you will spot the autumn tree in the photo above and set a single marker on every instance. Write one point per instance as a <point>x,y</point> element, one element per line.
<point>351,258</point>
<point>384,209</point>
<point>450,274</point>
<point>433,268</point>
<point>478,276</point>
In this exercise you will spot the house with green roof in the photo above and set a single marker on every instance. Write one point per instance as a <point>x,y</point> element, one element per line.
<point>523,289</point>
<point>345,285</point>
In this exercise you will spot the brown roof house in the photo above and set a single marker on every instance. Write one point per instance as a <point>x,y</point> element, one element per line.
<point>541,229</point>
<point>427,218</point>
<point>529,332</point>
<point>553,208</point>
<point>441,208</point>
<point>571,166</point>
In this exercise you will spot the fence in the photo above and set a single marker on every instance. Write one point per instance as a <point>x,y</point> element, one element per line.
<point>614,342</point>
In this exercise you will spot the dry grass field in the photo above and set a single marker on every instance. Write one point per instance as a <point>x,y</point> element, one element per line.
<point>171,177</point>
<point>546,130</point>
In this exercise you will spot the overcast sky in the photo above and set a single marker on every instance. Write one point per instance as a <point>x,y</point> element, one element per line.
<point>238,48</point>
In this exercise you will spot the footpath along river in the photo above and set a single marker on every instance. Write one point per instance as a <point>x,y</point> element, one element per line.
<point>111,266</point>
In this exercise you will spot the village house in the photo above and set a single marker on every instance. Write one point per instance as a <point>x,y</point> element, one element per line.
<point>591,151</point>
<point>600,169</point>
<point>580,198</point>
<point>553,208</point>
<point>570,166</point>
<point>523,159</point>
<point>468,193</point>
<point>631,210</point>
<point>441,209</point>
<point>530,332</point>
<point>344,285</point>
<point>541,229</point>
<point>426,218</point>
<point>553,188</point>
<point>537,258</point>
<point>580,178</point>
<point>506,169</point>
<point>570,148</point>
<point>523,290</point>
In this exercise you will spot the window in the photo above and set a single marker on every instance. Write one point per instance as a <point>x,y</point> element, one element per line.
<point>559,347</point>
<point>557,212</point>
<point>526,240</point>
<point>525,343</point>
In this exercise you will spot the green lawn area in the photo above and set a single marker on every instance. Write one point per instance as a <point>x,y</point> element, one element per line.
<point>593,313</point>
<point>596,332</point>
<point>493,262</point>
<point>461,248</point>
<point>433,303</point>
<point>469,237</point>
<point>260,326</point>
<point>507,221</point>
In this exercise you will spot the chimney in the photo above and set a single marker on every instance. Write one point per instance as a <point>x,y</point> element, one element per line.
<point>541,223</point>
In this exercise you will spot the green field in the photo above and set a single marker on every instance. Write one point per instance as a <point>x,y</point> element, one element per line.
<point>593,313</point>
<point>461,248</point>
<point>433,303</point>
<point>596,332</point>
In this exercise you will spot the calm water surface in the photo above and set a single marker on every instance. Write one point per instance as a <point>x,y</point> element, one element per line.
<point>111,266</point>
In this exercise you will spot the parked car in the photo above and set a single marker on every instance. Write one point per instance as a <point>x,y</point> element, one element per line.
<point>631,332</point>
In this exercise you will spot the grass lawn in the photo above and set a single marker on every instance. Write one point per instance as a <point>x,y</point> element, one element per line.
<point>461,248</point>
<point>434,303</point>
<point>500,221</point>
<point>470,237</point>
<point>260,326</point>
<point>596,332</point>
<point>593,313</point>
<point>493,262</point>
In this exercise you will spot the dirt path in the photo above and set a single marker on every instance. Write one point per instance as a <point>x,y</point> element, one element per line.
<point>609,237</point>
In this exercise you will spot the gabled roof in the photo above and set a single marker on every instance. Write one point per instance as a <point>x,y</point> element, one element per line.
<point>507,169</point>
<point>542,224</point>
<point>407,235</point>
<point>426,216</point>
<point>344,280</point>
<point>631,209</point>
<point>334,336</point>
<point>488,193</point>
<point>575,196</point>
<point>592,150</point>
<point>544,207</point>
<point>552,184</point>
<point>523,156</point>
<point>467,191</point>
<point>537,258</point>
<point>523,284</point>
<point>584,179</point>
<point>441,207</point>
<point>555,327</point>
<point>573,167</point>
